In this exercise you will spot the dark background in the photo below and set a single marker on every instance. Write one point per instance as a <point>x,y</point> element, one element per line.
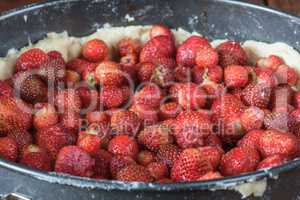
<point>292,6</point>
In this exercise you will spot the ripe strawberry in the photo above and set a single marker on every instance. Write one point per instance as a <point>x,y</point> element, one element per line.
<point>286,74</point>
<point>134,173</point>
<point>80,65</point>
<point>53,71</point>
<point>68,101</point>
<point>277,120</point>
<point>89,141</point>
<point>256,95</point>
<point>154,136</point>
<point>272,161</point>
<point>239,160</point>
<point>145,71</point>
<point>147,114</point>
<point>167,154</point>
<point>236,76</point>
<point>22,138</point>
<point>159,46</point>
<point>191,129</point>
<point>294,121</point>
<point>54,138</point>
<point>281,97</point>
<point>45,116</point>
<point>230,130</point>
<point>73,160</point>
<point>213,140</point>
<point>95,50</point>
<point>297,100</point>
<point>210,176</point>
<point>31,59</point>
<point>150,95</point>
<point>252,118</point>
<point>184,74</point>
<point>129,66</point>
<point>214,90</point>
<point>6,89</point>
<point>111,97</point>
<point>71,120</point>
<point>89,98</point>
<point>54,54</point>
<point>102,163</point>
<point>36,157</point>
<point>274,142</point>
<point>72,78</point>
<point>215,73</point>
<point>207,57</point>
<point>118,162</point>
<point>128,46</point>
<point>190,165</point>
<point>251,139</point>
<point>158,170</point>
<point>231,53</point>
<point>30,88</point>
<point>145,157</point>
<point>186,52</point>
<point>265,76</point>
<point>271,62</point>
<point>123,145</point>
<point>159,29</point>
<point>125,122</point>
<point>212,154</point>
<point>162,76</point>
<point>169,110</point>
<point>108,73</point>
<point>8,149</point>
<point>97,117</point>
<point>88,75</point>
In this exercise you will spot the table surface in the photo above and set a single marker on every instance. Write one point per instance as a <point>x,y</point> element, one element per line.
<point>292,6</point>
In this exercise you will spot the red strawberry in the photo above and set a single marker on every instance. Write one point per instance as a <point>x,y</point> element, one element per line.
<point>36,157</point>
<point>210,176</point>
<point>186,52</point>
<point>236,76</point>
<point>294,121</point>
<point>297,100</point>
<point>73,160</point>
<point>251,139</point>
<point>108,73</point>
<point>68,101</point>
<point>274,142</point>
<point>88,75</point>
<point>145,157</point>
<point>239,160</point>
<point>123,145</point>
<point>190,165</point>
<point>212,154</point>
<point>97,117</point>
<point>147,114</point>
<point>168,154</point>
<point>134,173</point>
<point>162,76</point>
<point>102,163</point>
<point>53,71</point>
<point>128,46</point>
<point>271,62</point>
<point>215,73</point>
<point>129,66</point>
<point>89,98</point>
<point>150,95</point>
<point>213,141</point>
<point>71,120</point>
<point>256,95</point>
<point>8,149</point>
<point>125,122</point>
<point>252,118</point>
<point>154,136</point>
<point>89,141</point>
<point>80,65</point>
<point>6,89</point>
<point>184,74</point>
<point>159,29</point>
<point>277,120</point>
<point>207,57</point>
<point>72,78</point>
<point>54,54</point>
<point>95,50</point>
<point>198,74</point>
<point>265,76</point>
<point>22,138</point>
<point>118,162</point>
<point>165,62</point>
<point>231,53</point>
<point>111,97</point>
<point>169,110</point>
<point>45,116</point>
<point>160,46</point>
<point>158,170</point>
<point>54,138</point>
<point>272,161</point>
<point>281,97</point>
<point>145,71</point>
<point>286,74</point>
<point>31,59</point>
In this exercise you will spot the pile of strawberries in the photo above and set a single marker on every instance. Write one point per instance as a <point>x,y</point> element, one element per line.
<point>150,113</point>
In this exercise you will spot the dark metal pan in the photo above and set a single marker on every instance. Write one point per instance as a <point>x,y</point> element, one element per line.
<point>213,18</point>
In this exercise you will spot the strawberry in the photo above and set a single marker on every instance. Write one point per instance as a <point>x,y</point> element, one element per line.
<point>162,76</point>
<point>213,140</point>
<point>6,89</point>
<point>150,95</point>
<point>71,120</point>
<point>128,46</point>
<point>123,145</point>
<point>239,160</point>
<point>145,71</point>
<point>190,165</point>
<point>22,138</point>
<point>191,129</point>
<point>159,29</point>
<point>89,141</point>
<point>95,50</point>
<point>134,173</point>
<point>145,157</point>
<point>129,66</point>
<point>111,97</point>
<point>256,95</point>
<point>286,74</point>
<point>251,139</point>
<point>68,101</point>
<point>230,130</point>
<point>297,100</point>
<point>265,76</point>
<point>207,57</point>
<point>210,176</point>
<point>108,73</point>
<point>88,75</point>
<point>73,160</point>
<point>53,71</point>
<point>72,78</point>
<point>184,74</point>
<point>169,110</point>
<point>36,157</point>
<point>158,170</point>
<point>236,76</point>
<point>102,163</point>
<point>54,138</point>
<point>277,120</point>
<point>252,118</point>
<point>197,74</point>
<point>159,46</point>
<point>54,54</point>
<point>274,142</point>
<point>97,117</point>
<point>271,62</point>
<point>30,88</point>
<point>154,136</point>
<point>118,162</point>
<point>147,114</point>
<point>294,120</point>
<point>187,51</point>
<point>125,122</point>
<point>89,98</point>
<point>31,59</point>
<point>272,161</point>
<point>80,65</point>
<point>215,73</point>
<point>45,116</point>
<point>167,154</point>
<point>166,62</point>
<point>8,149</point>
<point>212,154</point>
<point>281,96</point>
<point>231,53</point>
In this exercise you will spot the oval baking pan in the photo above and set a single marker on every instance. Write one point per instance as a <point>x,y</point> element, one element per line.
<point>215,19</point>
